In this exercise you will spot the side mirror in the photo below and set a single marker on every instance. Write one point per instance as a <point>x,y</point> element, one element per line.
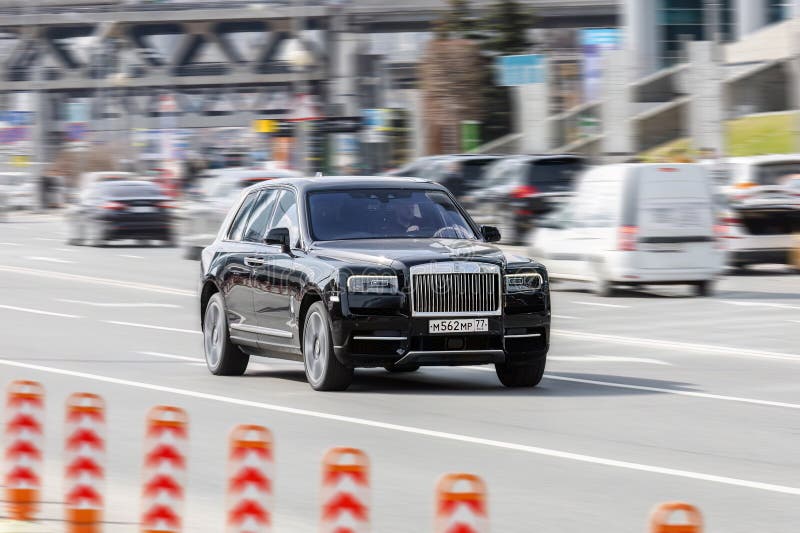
<point>490,234</point>
<point>279,237</point>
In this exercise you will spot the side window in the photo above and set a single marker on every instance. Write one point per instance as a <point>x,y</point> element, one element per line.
<point>240,220</point>
<point>257,226</point>
<point>286,216</point>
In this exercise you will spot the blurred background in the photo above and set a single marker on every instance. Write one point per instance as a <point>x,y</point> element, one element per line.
<point>175,92</point>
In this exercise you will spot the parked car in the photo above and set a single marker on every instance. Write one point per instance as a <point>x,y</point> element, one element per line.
<point>343,273</point>
<point>460,173</point>
<point>516,191</point>
<point>202,215</point>
<point>112,210</point>
<point>19,190</point>
<point>635,225</point>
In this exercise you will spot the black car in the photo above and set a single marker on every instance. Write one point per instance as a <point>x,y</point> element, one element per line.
<point>368,272</point>
<point>460,173</point>
<point>111,210</point>
<point>515,191</point>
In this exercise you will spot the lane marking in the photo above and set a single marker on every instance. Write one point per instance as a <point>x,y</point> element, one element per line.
<point>97,281</point>
<point>565,317</point>
<point>598,304</point>
<point>524,448</point>
<point>128,256</point>
<point>37,311</point>
<point>706,348</point>
<point>68,250</point>
<point>605,359</point>
<point>761,304</point>
<point>613,384</point>
<point>171,356</point>
<point>131,304</point>
<point>150,326</point>
<point>48,239</point>
<point>48,259</point>
<point>10,244</point>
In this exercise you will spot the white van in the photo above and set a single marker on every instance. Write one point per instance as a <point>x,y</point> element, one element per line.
<point>635,224</point>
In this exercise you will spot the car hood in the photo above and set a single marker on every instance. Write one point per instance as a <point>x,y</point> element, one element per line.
<point>399,253</point>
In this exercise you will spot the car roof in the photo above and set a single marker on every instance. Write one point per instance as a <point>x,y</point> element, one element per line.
<point>349,182</point>
<point>771,158</point>
<point>123,183</point>
<point>538,157</point>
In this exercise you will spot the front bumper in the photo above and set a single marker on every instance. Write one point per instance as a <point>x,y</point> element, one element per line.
<point>378,336</point>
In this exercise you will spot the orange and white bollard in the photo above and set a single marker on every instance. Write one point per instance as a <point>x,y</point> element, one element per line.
<point>250,472</point>
<point>166,443</point>
<point>24,431</point>
<point>345,491</point>
<point>662,515</point>
<point>84,473</point>
<point>461,505</point>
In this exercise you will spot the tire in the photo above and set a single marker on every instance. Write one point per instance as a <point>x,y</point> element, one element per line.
<point>323,371</point>
<point>704,288</point>
<point>401,369</point>
<point>222,356</point>
<point>604,288</point>
<point>525,375</point>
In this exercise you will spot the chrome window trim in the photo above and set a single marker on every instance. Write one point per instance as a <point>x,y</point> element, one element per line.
<point>263,331</point>
<point>362,338</point>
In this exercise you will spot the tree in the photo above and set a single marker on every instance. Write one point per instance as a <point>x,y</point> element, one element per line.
<point>458,22</point>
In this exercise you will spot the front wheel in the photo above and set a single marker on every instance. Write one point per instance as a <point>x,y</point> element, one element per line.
<point>222,356</point>
<point>521,375</point>
<point>323,371</point>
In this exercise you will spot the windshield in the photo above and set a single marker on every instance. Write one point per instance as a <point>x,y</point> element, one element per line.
<point>550,175</point>
<point>385,214</point>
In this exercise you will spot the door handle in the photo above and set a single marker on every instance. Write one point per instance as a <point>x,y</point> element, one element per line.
<point>254,261</point>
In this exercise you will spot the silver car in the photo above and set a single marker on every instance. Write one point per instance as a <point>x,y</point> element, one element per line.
<point>202,216</point>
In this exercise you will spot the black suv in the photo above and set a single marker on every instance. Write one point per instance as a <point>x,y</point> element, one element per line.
<point>368,272</point>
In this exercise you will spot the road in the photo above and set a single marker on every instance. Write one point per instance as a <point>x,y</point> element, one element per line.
<point>648,397</point>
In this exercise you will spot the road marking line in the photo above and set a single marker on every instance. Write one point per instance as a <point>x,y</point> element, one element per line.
<point>605,359</point>
<point>707,348</point>
<point>565,317</point>
<point>69,250</point>
<point>37,311</point>
<point>48,259</point>
<point>127,256</point>
<point>598,304</point>
<point>150,326</point>
<point>98,281</point>
<point>524,448</point>
<point>48,239</point>
<point>761,304</point>
<point>132,304</point>
<point>709,396</point>
<point>171,356</point>
<point>10,244</point>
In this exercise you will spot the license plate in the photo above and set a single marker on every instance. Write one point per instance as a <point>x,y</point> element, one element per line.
<point>664,247</point>
<point>142,209</point>
<point>471,325</point>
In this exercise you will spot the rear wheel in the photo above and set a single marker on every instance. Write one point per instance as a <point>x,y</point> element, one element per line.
<point>603,287</point>
<point>222,356</point>
<point>521,375</point>
<point>704,288</point>
<point>323,371</point>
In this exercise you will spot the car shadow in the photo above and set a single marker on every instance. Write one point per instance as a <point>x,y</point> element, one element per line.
<point>787,270</point>
<point>474,381</point>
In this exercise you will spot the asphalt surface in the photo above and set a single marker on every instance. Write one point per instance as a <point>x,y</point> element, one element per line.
<point>649,397</point>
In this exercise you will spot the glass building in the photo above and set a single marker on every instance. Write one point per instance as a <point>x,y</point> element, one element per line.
<point>690,20</point>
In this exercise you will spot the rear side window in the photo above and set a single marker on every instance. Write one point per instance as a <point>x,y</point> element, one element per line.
<point>129,191</point>
<point>777,174</point>
<point>550,175</point>
<point>240,220</point>
<point>257,226</point>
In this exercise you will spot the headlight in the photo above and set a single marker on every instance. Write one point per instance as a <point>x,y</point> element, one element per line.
<point>527,282</point>
<point>372,284</point>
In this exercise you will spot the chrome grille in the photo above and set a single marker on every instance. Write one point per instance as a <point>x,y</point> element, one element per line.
<point>455,289</point>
